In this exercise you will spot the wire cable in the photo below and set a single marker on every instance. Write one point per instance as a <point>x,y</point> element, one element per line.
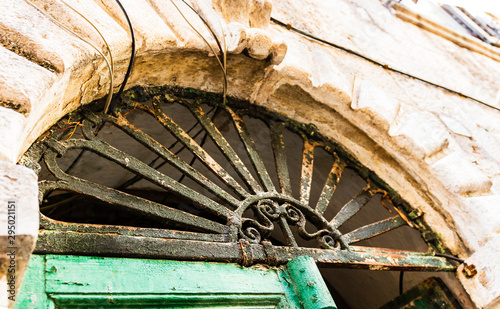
<point>450,257</point>
<point>110,63</point>
<point>222,63</point>
<point>384,65</point>
<point>401,277</point>
<point>130,64</point>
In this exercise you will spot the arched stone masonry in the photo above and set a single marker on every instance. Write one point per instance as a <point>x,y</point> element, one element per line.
<point>437,149</point>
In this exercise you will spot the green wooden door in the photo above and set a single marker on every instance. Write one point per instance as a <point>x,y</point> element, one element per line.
<point>61,281</point>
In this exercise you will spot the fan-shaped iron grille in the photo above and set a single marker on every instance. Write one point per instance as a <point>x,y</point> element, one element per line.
<point>218,184</point>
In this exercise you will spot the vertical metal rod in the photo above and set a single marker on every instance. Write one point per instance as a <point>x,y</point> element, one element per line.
<point>280,157</point>
<point>307,171</point>
<point>253,152</point>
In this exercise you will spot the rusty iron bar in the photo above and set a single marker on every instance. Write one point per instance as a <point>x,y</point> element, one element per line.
<point>66,242</point>
<point>47,223</point>
<point>132,164</point>
<point>170,157</point>
<point>252,151</point>
<point>191,144</point>
<point>306,175</point>
<point>330,186</point>
<point>374,229</point>
<point>226,149</point>
<point>280,157</point>
<point>353,206</point>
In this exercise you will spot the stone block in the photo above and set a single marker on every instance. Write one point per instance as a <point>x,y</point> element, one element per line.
<point>151,33</point>
<point>455,126</point>
<point>30,33</point>
<point>460,176</point>
<point>375,102</point>
<point>12,126</point>
<point>22,82</point>
<point>328,73</point>
<point>260,13</point>
<point>236,38</point>
<point>187,37</point>
<point>297,65</point>
<point>420,132</point>
<point>234,11</point>
<point>19,184</point>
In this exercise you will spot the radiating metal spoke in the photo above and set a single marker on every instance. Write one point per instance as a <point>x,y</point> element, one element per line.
<point>157,212</point>
<point>280,158</point>
<point>353,206</point>
<point>170,157</point>
<point>138,167</point>
<point>193,146</point>
<point>135,179</point>
<point>330,186</point>
<point>374,229</point>
<point>226,149</point>
<point>252,151</point>
<point>287,233</point>
<point>307,171</point>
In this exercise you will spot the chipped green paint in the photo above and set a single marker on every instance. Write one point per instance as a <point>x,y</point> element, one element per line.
<point>64,281</point>
<point>309,284</point>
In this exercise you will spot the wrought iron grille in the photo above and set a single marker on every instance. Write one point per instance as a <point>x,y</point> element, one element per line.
<point>220,186</point>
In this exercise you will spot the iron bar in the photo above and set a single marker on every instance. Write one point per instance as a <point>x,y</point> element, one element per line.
<point>374,229</point>
<point>65,242</point>
<point>171,158</point>
<point>55,225</point>
<point>133,203</point>
<point>252,151</point>
<point>134,165</point>
<point>330,186</point>
<point>226,149</point>
<point>191,144</point>
<point>307,171</point>
<point>280,157</point>
<point>353,206</point>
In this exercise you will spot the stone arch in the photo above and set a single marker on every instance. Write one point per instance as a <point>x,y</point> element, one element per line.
<point>47,72</point>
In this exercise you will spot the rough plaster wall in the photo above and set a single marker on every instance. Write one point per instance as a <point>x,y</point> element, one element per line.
<point>438,150</point>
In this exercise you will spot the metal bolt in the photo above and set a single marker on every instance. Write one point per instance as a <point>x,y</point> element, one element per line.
<point>469,270</point>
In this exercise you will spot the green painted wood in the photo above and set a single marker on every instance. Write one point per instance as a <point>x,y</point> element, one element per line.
<point>62,281</point>
<point>32,292</point>
<point>169,301</point>
<point>82,274</point>
<point>309,285</point>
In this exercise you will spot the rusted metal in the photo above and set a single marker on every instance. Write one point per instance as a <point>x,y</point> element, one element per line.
<point>280,157</point>
<point>353,206</point>
<point>469,270</point>
<point>59,242</point>
<point>330,186</point>
<point>307,171</point>
<point>234,225</point>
